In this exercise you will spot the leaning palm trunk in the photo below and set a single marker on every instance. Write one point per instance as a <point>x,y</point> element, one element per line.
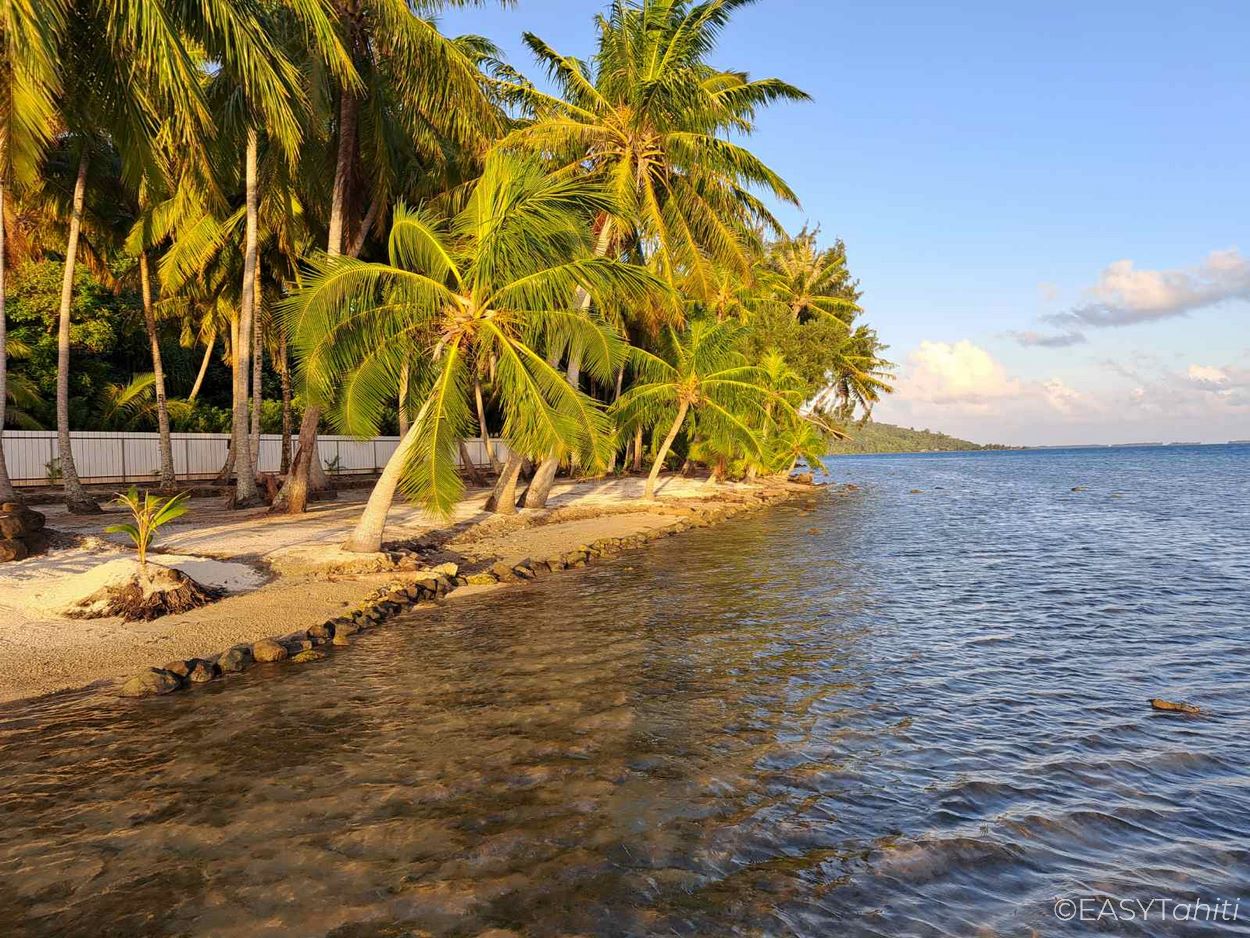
<point>245,492</point>
<point>649,490</point>
<point>76,497</point>
<point>168,479</point>
<point>199,378</point>
<point>367,537</point>
<point>545,476</point>
<point>307,474</point>
<point>6,486</point>
<point>503,499</point>
<point>403,400</point>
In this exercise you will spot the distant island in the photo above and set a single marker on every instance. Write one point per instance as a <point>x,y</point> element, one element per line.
<point>874,437</point>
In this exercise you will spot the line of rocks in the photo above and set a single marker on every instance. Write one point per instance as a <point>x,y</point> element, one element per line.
<point>307,645</point>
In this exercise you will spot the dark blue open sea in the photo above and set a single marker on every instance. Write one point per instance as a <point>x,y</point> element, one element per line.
<point>916,709</point>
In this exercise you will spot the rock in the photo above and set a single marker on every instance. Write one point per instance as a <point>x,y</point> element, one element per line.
<point>295,642</point>
<point>321,633</point>
<point>151,683</point>
<point>341,638</point>
<point>12,550</point>
<point>309,655</point>
<point>1173,706</point>
<point>12,527</point>
<point>482,579</point>
<point>449,570</point>
<point>236,659</point>
<point>1078,488</point>
<point>503,571</point>
<point>802,478</point>
<point>345,627</point>
<point>204,671</point>
<point>269,650</point>
<point>180,668</point>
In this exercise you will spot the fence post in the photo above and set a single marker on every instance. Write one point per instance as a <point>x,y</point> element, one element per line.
<point>121,441</point>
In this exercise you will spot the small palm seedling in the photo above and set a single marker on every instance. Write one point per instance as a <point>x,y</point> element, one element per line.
<point>150,512</point>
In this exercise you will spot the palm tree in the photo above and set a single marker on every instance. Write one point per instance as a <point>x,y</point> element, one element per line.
<point>28,88</point>
<point>653,119</point>
<point>497,281</point>
<point>416,85</point>
<point>701,372</point>
<point>811,282</point>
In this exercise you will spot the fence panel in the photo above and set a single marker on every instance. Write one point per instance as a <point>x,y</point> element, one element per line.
<point>104,457</point>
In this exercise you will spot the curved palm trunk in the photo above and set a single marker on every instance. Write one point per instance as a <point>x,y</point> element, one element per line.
<point>76,497</point>
<point>649,490</point>
<point>246,494</point>
<point>503,499</point>
<point>545,476</point>
<point>199,378</point>
<point>7,492</point>
<point>168,479</point>
<point>367,536</point>
<point>403,400</point>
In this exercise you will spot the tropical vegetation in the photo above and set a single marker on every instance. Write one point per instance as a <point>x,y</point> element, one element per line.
<point>309,215</point>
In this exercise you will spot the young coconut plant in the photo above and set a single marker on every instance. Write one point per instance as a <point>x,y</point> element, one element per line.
<point>153,590</point>
<point>498,282</point>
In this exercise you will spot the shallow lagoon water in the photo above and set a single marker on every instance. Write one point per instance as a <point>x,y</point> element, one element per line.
<point>893,714</point>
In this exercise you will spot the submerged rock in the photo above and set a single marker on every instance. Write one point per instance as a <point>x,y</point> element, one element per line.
<point>1174,706</point>
<point>204,671</point>
<point>153,682</point>
<point>310,655</point>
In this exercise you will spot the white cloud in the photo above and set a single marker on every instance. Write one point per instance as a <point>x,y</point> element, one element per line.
<point>960,388</point>
<point>1125,294</point>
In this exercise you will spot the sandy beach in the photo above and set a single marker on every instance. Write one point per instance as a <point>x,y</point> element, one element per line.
<point>281,574</point>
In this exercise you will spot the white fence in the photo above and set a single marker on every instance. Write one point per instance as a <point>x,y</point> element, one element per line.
<point>135,457</point>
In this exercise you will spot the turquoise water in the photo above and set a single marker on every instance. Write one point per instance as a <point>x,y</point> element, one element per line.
<point>919,709</point>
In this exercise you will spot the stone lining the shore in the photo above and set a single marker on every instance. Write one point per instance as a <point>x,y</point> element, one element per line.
<point>431,585</point>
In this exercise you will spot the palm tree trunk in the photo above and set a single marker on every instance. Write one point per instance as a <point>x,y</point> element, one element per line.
<point>649,490</point>
<point>616,396</point>
<point>169,480</point>
<point>76,497</point>
<point>403,400</point>
<point>258,370</point>
<point>246,494</point>
<point>7,492</point>
<point>342,171</point>
<point>307,472</point>
<point>638,449</point>
<point>487,445</point>
<point>502,500</point>
<point>466,461</point>
<point>199,378</point>
<point>367,536</point>
<point>545,476</point>
<point>284,372</point>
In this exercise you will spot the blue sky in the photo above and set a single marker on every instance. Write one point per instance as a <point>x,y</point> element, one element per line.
<point>987,165</point>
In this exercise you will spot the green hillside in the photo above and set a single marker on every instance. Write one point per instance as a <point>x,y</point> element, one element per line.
<point>875,437</point>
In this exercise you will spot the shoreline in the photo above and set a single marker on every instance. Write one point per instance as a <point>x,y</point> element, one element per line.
<point>301,580</point>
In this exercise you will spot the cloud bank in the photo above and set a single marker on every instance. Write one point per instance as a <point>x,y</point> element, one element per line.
<point>1125,295</point>
<point>960,388</point>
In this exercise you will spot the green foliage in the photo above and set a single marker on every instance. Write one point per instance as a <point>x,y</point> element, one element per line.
<point>874,437</point>
<point>148,512</point>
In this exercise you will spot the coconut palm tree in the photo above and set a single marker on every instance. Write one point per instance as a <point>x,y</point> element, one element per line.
<point>497,281</point>
<point>28,81</point>
<point>651,117</point>
<point>416,86</point>
<point>701,372</point>
<point>810,281</point>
